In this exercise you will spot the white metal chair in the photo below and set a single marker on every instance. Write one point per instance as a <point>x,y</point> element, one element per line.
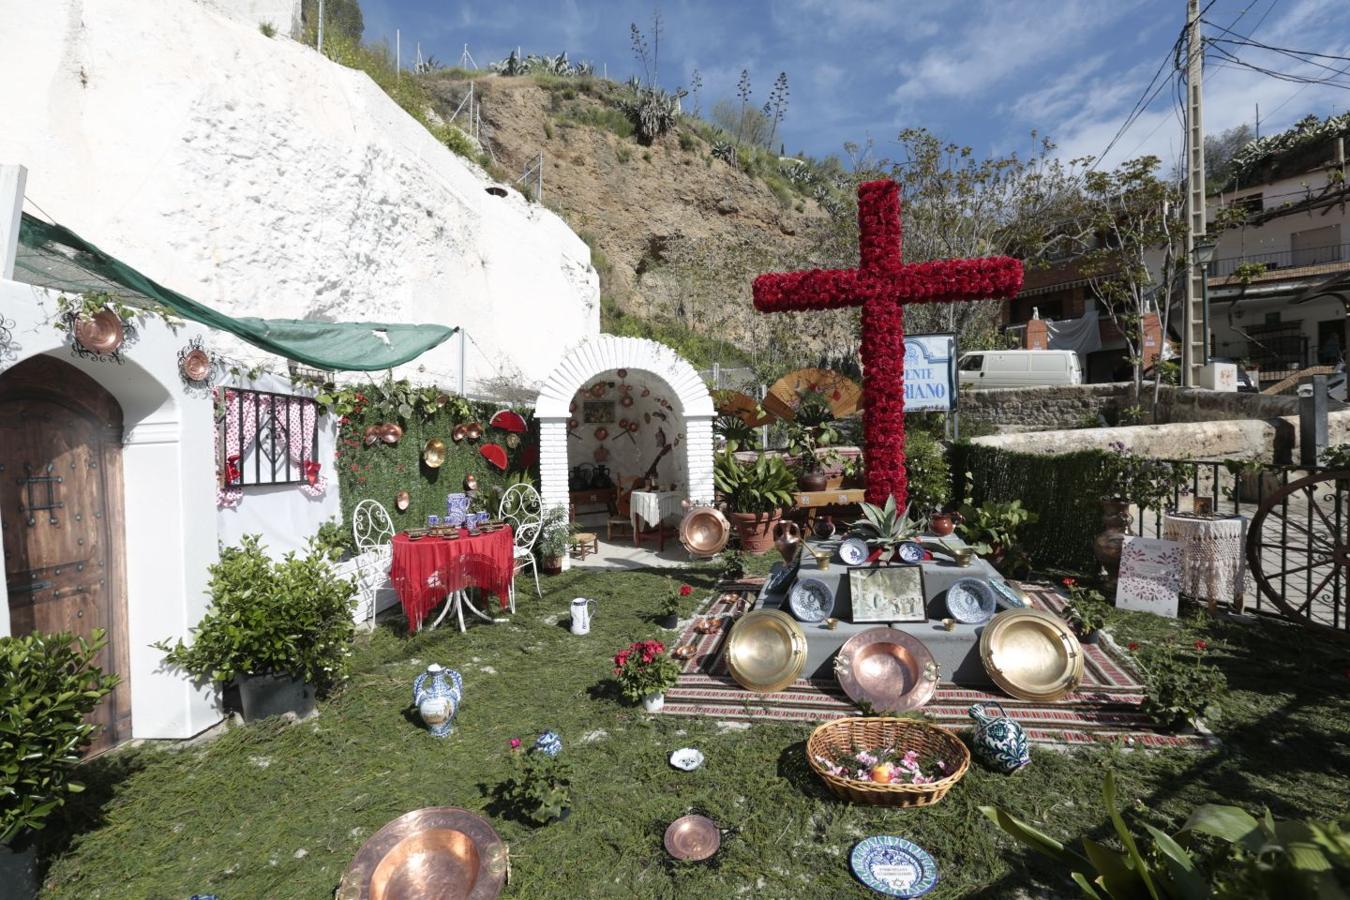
<point>521,507</point>
<point>373,532</point>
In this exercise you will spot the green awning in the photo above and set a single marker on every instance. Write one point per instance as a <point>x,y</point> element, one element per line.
<point>52,256</point>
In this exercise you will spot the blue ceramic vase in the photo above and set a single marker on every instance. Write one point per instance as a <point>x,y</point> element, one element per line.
<point>437,699</point>
<point>999,742</point>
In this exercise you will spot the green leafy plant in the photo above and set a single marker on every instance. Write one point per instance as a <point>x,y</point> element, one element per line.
<point>885,526</point>
<point>48,685</point>
<point>1087,609</point>
<point>1297,860</point>
<point>735,433</point>
<point>555,534</point>
<point>928,472</point>
<point>643,668</point>
<point>991,529</point>
<point>91,303</point>
<point>333,540</point>
<point>268,29</point>
<point>290,617</point>
<point>731,565</point>
<point>1179,686</point>
<point>1149,483</point>
<point>540,786</point>
<point>763,486</point>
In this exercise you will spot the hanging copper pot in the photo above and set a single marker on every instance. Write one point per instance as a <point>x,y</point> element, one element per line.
<point>473,431</point>
<point>470,483</point>
<point>402,501</point>
<point>101,333</point>
<point>433,453</point>
<point>373,435</point>
<point>391,432</point>
<point>458,434</point>
<point>196,365</point>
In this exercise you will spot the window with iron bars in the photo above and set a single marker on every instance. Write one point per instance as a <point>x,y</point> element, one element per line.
<point>265,438</point>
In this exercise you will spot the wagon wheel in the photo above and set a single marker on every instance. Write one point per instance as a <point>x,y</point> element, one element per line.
<point>1298,549</point>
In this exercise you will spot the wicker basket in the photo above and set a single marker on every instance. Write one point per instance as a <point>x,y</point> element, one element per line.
<point>844,735</point>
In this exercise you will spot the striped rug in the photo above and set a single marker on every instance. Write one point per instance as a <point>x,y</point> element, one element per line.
<point>1105,708</point>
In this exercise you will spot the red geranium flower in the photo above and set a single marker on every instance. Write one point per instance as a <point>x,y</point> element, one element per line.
<point>1070,582</point>
<point>1201,645</point>
<point>685,590</point>
<point>1132,646</point>
<point>515,743</point>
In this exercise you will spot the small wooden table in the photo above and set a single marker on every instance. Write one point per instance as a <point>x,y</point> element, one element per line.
<point>584,543</point>
<point>606,497</point>
<point>812,503</point>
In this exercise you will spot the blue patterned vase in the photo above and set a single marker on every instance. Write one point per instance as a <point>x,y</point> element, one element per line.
<point>549,743</point>
<point>436,699</point>
<point>999,742</point>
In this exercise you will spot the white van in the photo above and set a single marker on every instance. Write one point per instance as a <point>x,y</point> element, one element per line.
<point>1018,368</point>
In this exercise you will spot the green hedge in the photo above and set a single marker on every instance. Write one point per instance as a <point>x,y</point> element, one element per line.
<point>1064,490</point>
<point>379,472</point>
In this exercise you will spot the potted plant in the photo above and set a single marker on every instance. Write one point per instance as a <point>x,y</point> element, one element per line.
<point>645,672</point>
<point>670,606</point>
<point>885,528</point>
<point>555,536</point>
<point>991,531</point>
<point>540,786</point>
<point>278,630</point>
<point>808,432</point>
<point>755,495</point>
<point>1132,479</point>
<point>48,685</point>
<point>1085,611</point>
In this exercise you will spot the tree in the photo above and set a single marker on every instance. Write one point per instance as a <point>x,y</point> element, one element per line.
<point>339,17</point>
<point>1135,215</point>
<point>1220,150</point>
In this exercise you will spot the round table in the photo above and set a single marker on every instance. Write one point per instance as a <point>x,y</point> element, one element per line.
<point>1213,566</point>
<point>430,568</point>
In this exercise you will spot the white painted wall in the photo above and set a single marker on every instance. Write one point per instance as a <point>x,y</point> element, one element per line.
<point>258,177</point>
<point>169,502</point>
<point>629,458</point>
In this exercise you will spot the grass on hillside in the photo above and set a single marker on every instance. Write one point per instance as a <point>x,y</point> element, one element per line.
<point>277,811</point>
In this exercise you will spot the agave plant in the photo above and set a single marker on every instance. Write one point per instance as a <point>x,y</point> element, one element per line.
<point>725,151</point>
<point>512,65</point>
<point>653,112</point>
<point>885,526</point>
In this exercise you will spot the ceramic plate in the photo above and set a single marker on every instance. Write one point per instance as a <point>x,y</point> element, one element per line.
<point>910,552</point>
<point>893,866</point>
<point>853,551</point>
<point>811,600</point>
<point>1008,597</point>
<point>971,601</point>
<point>686,759</point>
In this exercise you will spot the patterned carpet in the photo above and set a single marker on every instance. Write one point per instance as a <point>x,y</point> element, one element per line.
<point>1104,708</point>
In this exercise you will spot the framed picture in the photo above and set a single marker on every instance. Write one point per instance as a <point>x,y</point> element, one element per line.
<point>887,594</point>
<point>597,412</point>
<point>1150,575</point>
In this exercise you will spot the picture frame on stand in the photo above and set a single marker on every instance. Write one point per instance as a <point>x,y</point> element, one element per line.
<point>887,594</point>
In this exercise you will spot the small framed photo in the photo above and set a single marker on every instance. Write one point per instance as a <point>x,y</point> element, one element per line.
<point>597,412</point>
<point>887,594</point>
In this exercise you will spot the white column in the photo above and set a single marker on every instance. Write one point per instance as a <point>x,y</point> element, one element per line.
<point>12,180</point>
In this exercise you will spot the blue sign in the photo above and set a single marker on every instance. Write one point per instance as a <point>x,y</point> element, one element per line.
<point>930,372</point>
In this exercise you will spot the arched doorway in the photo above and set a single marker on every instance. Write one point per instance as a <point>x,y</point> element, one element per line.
<point>61,512</point>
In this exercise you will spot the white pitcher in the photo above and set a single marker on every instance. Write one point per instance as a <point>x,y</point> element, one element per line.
<point>581,615</point>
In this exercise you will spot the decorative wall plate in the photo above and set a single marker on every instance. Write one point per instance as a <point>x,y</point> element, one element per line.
<point>102,333</point>
<point>1009,597</point>
<point>196,365</point>
<point>433,453</point>
<point>853,551</point>
<point>971,600</point>
<point>911,553</point>
<point>1031,654</point>
<point>811,600</point>
<point>894,866</point>
<point>693,838</point>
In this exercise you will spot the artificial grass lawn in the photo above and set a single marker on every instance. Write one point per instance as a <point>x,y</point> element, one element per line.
<point>277,811</point>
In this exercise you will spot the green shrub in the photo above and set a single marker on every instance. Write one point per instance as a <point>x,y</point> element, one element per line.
<point>929,474</point>
<point>606,118</point>
<point>1179,686</point>
<point>290,617</point>
<point>623,153</point>
<point>540,786</point>
<point>992,530</point>
<point>267,29</point>
<point>48,684</point>
<point>334,540</point>
<point>688,143</point>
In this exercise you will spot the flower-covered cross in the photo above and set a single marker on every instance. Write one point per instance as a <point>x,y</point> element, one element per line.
<point>882,285</point>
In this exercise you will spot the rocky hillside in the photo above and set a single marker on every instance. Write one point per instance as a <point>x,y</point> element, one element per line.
<point>677,233</point>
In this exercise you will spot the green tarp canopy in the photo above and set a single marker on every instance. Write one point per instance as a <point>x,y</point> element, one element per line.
<point>52,256</point>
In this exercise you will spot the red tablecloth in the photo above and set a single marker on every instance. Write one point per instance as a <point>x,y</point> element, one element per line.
<point>424,571</point>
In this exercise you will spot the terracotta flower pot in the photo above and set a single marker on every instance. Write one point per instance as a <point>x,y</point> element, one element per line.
<point>755,530</point>
<point>1108,544</point>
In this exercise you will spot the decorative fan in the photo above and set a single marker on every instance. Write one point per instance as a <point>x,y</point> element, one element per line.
<point>508,420</point>
<point>495,454</point>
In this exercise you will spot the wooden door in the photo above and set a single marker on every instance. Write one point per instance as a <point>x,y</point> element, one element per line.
<point>61,515</point>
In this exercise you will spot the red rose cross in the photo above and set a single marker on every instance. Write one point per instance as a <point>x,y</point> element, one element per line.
<point>882,285</point>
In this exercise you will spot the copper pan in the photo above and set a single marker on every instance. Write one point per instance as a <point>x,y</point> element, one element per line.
<point>441,852</point>
<point>402,501</point>
<point>373,435</point>
<point>196,365</point>
<point>433,453</point>
<point>887,668</point>
<point>766,650</point>
<point>1031,654</point>
<point>692,838</point>
<point>391,432</point>
<point>704,531</point>
<point>101,333</point>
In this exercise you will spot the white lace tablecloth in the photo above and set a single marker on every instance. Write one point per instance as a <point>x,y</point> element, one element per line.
<point>1213,563</point>
<point>654,507</point>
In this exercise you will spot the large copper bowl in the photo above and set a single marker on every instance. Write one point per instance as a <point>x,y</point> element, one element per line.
<point>766,651</point>
<point>100,333</point>
<point>444,853</point>
<point>692,838</point>
<point>1031,654</point>
<point>196,365</point>
<point>887,668</point>
<point>433,453</point>
<point>704,531</point>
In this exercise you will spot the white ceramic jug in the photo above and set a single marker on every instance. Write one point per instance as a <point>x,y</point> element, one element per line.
<point>581,615</point>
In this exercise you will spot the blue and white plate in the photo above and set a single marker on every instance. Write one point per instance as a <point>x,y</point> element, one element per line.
<point>893,866</point>
<point>1009,597</point>
<point>910,553</point>
<point>971,601</point>
<point>853,551</point>
<point>811,600</point>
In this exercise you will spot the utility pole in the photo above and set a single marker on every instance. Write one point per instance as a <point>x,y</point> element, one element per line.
<point>319,45</point>
<point>1258,120</point>
<point>1194,324</point>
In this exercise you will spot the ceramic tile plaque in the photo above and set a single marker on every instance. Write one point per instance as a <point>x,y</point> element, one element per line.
<point>887,593</point>
<point>1150,576</point>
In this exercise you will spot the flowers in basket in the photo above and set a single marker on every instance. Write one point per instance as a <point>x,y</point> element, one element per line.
<point>889,765</point>
<point>645,668</point>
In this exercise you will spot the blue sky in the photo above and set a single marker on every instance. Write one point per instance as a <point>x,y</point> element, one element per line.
<point>978,72</point>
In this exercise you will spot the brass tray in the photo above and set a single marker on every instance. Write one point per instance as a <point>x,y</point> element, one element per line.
<point>766,651</point>
<point>887,668</point>
<point>442,852</point>
<point>1031,654</point>
<point>704,531</point>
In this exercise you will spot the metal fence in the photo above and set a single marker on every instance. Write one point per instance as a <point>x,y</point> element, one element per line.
<point>1281,259</point>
